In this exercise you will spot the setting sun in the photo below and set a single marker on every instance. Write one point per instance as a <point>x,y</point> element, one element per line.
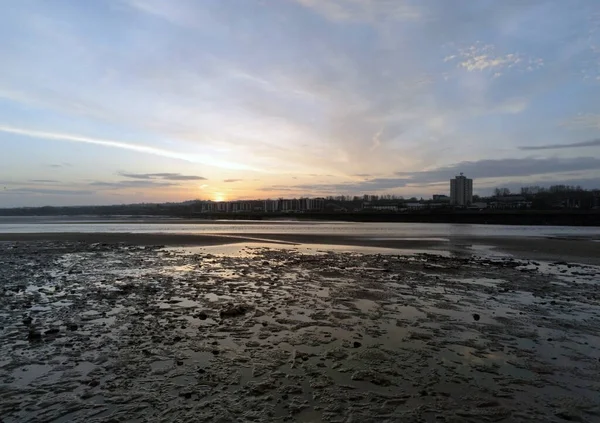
<point>219,196</point>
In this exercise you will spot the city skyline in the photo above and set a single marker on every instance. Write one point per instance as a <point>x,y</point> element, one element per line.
<point>128,101</point>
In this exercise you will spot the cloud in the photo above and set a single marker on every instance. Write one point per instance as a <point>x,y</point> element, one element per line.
<point>530,168</point>
<point>480,57</point>
<point>363,10</point>
<point>501,168</point>
<point>44,181</point>
<point>584,121</point>
<point>164,176</point>
<point>207,160</point>
<point>132,184</point>
<point>590,143</point>
<point>232,180</point>
<point>59,165</point>
<point>47,191</point>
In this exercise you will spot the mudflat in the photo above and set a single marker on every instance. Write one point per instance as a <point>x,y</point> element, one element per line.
<point>581,250</point>
<point>98,330</point>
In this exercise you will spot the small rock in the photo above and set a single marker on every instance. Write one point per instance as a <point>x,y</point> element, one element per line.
<point>550,339</point>
<point>568,416</point>
<point>215,352</point>
<point>179,363</point>
<point>476,317</point>
<point>52,331</point>
<point>234,311</point>
<point>357,344</point>
<point>202,315</point>
<point>177,339</point>
<point>72,326</point>
<point>27,321</point>
<point>34,335</point>
<point>93,383</point>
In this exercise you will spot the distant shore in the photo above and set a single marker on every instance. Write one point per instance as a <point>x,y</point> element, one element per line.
<point>484,217</point>
<point>585,251</point>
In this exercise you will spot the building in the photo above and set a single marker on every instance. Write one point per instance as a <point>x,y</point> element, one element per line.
<point>441,198</point>
<point>461,191</point>
<point>505,202</point>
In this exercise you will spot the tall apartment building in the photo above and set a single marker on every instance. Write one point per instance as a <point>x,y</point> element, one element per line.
<point>461,190</point>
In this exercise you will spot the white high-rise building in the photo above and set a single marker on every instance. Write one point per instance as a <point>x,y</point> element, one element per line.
<point>461,190</point>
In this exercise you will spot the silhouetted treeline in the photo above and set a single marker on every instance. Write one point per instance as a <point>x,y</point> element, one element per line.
<point>555,197</point>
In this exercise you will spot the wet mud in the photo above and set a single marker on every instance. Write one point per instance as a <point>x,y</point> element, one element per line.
<point>114,332</point>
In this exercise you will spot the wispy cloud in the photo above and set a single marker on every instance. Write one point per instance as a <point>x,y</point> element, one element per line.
<point>231,180</point>
<point>364,10</point>
<point>47,191</point>
<point>164,176</point>
<point>44,181</point>
<point>207,160</point>
<point>583,121</point>
<point>481,57</point>
<point>590,143</point>
<point>131,184</point>
<point>59,165</point>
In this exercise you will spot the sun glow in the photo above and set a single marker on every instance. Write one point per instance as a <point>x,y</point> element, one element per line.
<point>219,196</point>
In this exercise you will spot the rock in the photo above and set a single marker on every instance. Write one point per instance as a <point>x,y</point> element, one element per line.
<point>179,363</point>
<point>34,335</point>
<point>27,321</point>
<point>52,331</point>
<point>93,383</point>
<point>72,326</point>
<point>568,416</point>
<point>202,315</point>
<point>476,317</point>
<point>357,344</point>
<point>177,338</point>
<point>234,310</point>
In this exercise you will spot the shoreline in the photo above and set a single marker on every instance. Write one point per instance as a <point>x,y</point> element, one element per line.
<point>585,251</point>
<point>572,218</point>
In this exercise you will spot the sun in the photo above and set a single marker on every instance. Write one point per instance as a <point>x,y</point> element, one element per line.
<point>219,196</point>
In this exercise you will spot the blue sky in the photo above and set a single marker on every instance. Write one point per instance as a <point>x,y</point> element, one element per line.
<point>118,101</point>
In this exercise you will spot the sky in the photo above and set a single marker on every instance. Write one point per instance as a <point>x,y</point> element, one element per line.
<point>128,101</point>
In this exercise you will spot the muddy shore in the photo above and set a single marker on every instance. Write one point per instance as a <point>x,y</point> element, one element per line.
<point>107,332</point>
<point>585,251</point>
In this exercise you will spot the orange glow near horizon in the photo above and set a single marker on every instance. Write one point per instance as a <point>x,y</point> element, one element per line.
<point>219,196</point>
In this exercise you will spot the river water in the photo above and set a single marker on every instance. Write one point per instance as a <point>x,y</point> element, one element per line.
<point>355,229</point>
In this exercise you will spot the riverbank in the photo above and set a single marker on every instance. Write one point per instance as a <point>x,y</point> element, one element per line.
<point>107,332</point>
